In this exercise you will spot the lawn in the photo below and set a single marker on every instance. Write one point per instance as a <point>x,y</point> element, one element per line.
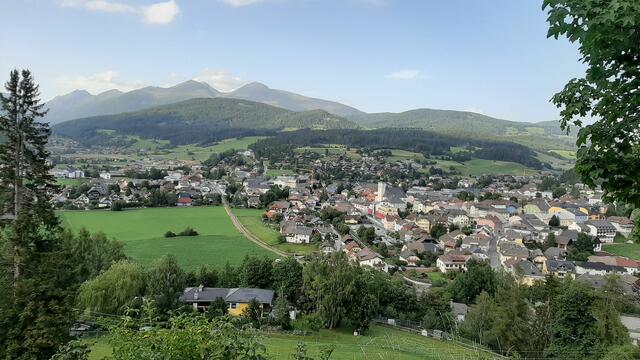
<point>628,250</point>
<point>142,232</point>
<point>252,220</point>
<point>436,275</point>
<point>379,343</point>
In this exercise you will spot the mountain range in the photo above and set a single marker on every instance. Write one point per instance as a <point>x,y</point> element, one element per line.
<point>80,103</point>
<point>309,112</point>
<point>200,120</point>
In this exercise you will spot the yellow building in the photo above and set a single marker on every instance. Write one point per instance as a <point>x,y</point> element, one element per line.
<point>237,299</point>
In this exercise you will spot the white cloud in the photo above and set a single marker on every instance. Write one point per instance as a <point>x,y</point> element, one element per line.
<point>475,110</point>
<point>160,13</point>
<point>98,82</point>
<point>220,80</point>
<point>108,6</point>
<point>238,3</point>
<point>406,74</point>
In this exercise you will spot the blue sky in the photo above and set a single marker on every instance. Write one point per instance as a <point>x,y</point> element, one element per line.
<point>488,56</point>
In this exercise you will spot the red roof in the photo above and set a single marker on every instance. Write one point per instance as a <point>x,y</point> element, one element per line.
<point>184,200</point>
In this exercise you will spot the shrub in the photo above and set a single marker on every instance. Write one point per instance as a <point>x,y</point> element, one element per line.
<point>189,231</point>
<point>311,322</point>
<point>170,234</point>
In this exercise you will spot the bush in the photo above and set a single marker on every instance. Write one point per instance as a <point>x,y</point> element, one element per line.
<point>170,234</point>
<point>188,232</point>
<point>311,322</point>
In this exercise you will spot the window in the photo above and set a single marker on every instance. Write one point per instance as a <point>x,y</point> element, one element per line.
<point>233,305</point>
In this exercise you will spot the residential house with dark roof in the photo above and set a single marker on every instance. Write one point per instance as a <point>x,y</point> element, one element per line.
<point>237,299</point>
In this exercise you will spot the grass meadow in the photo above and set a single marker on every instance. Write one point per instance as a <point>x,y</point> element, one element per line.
<point>252,221</point>
<point>142,232</point>
<point>629,250</point>
<point>379,343</point>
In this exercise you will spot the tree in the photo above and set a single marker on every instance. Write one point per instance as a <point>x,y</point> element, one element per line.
<point>256,272</point>
<point>554,221</point>
<point>207,277</point>
<point>572,332</point>
<point>217,308</point>
<point>287,278</point>
<point>92,253</point>
<point>550,242</point>
<point>23,167</point>
<point>609,44</point>
<point>37,307</point>
<point>166,281</point>
<point>113,290</point>
<point>478,322</point>
<point>467,286</point>
<point>437,311</point>
<point>281,312</point>
<point>438,230</point>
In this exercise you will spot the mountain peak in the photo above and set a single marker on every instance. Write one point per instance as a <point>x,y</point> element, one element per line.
<point>254,86</point>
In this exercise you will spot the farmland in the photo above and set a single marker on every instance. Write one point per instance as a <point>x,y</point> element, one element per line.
<point>142,232</point>
<point>629,250</point>
<point>380,343</point>
<point>252,221</point>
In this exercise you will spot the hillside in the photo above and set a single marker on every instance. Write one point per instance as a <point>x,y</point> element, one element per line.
<point>199,120</point>
<point>80,103</point>
<point>261,93</point>
<point>544,135</point>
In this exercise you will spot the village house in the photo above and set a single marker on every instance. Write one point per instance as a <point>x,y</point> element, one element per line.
<point>453,261</point>
<point>237,299</point>
<point>297,234</point>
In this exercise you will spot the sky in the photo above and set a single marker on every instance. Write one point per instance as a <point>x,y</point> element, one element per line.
<point>486,56</point>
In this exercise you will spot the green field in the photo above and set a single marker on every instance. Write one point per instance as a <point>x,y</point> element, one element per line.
<point>279,172</point>
<point>200,153</point>
<point>252,220</point>
<point>142,232</point>
<point>567,154</point>
<point>629,250</point>
<point>331,150</point>
<point>478,167</point>
<point>70,182</point>
<point>379,343</point>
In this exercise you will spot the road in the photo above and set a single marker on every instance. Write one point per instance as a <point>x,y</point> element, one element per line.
<point>242,229</point>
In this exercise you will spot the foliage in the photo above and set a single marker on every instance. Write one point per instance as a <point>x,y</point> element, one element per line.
<point>412,140</point>
<point>188,336</point>
<point>23,167</point>
<point>188,231</point>
<point>113,290</point>
<point>438,230</point>
<point>217,308</point>
<point>554,221</point>
<point>467,286</point>
<point>280,312</point>
<point>92,253</point>
<point>73,350</point>
<point>287,278</point>
<point>256,272</point>
<point>573,333</point>
<point>609,45</point>
<point>166,280</point>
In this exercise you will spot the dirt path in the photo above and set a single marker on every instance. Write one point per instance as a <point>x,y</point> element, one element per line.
<point>247,233</point>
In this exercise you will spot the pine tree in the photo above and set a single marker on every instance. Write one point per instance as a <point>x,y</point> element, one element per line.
<point>23,157</point>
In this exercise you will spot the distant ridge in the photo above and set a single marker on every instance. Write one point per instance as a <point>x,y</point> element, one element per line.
<point>80,103</point>
<point>200,120</point>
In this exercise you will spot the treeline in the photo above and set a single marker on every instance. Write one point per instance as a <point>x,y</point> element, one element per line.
<point>420,141</point>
